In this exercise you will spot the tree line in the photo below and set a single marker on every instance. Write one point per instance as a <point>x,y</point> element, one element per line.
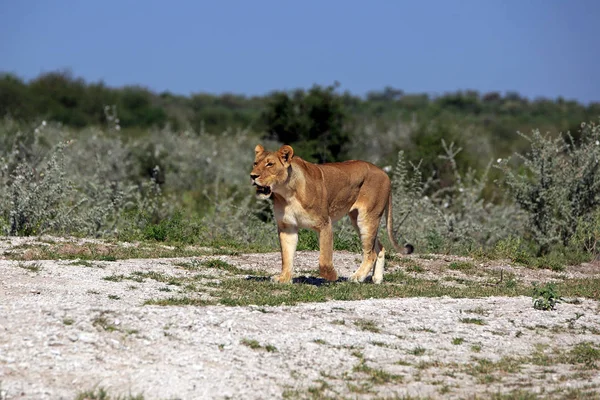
<point>319,117</point>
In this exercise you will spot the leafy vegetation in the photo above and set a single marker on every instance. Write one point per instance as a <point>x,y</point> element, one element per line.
<point>103,394</point>
<point>84,159</point>
<point>545,297</point>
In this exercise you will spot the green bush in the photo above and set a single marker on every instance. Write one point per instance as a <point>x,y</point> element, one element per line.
<point>193,187</point>
<point>39,197</point>
<point>312,122</point>
<point>545,297</point>
<point>587,234</point>
<point>557,184</point>
<point>449,218</point>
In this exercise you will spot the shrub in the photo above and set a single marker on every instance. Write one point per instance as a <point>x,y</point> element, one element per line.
<point>452,218</point>
<point>557,185</point>
<point>312,122</point>
<point>545,297</point>
<point>39,197</point>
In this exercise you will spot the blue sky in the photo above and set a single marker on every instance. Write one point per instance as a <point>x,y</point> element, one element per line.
<point>546,48</point>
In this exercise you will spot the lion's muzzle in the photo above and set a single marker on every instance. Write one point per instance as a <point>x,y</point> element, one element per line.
<point>262,192</point>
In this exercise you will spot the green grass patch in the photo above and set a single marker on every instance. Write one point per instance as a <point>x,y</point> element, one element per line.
<point>241,292</point>
<point>417,351</point>
<point>157,276</point>
<point>414,267</point>
<point>114,278</point>
<point>225,266</point>
<point>367,325</point>
<point>102,394</point>
<point>255,345</point>
<point>485,370</point>
<point>179,301</point>
<point>476,348</point>
<point>104,323</point>
<point>586,354</point>
<point>461,266</point>
<point>474,321</point>
<point>112,252</point>
<point>478,311</point>
<point>84,263</point>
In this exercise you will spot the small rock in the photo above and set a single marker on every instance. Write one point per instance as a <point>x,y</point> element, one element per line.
<point>87,337</point>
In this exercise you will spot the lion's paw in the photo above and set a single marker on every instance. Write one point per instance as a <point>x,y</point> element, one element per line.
<point>281,278</point>
<point>357,278</point>
<point>328,273</point>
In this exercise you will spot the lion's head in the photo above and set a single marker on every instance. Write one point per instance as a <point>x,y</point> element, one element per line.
<point>270,169</point>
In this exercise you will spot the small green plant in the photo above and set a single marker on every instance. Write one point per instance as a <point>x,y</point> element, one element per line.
<point>114,278</point>
<point>270,348</point>
<point>475,321</point>
<point>367,325</point>
<point>83,263</point>
<point>252,343</point>
<point>68,321</point>
<point>457,341</point>
<point>545,297</point>
<point>102,394</point>
<point>476,348</point>
<point>478,310</point>
<point>103,323</point>
<point>114,297</point>
<point>417,351</point>
<point>255,345</point>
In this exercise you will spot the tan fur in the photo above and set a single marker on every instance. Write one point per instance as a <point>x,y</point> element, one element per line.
<point>314,196</point>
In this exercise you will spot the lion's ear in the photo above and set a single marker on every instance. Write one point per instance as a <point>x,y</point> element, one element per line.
<point>258,149</point>
<point>286,153</point>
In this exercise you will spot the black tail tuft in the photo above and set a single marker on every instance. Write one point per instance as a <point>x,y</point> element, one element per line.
<point>409,248</point>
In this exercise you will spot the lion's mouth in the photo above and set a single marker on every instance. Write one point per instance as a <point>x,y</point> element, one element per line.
<point>263,190</point>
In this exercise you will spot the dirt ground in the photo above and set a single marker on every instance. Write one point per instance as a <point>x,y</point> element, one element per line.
<point>65,329</point>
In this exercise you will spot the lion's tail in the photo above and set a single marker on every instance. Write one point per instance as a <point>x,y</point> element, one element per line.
<point>408,248</point>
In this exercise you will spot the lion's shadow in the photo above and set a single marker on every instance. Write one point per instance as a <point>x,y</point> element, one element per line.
<point>304,280</point>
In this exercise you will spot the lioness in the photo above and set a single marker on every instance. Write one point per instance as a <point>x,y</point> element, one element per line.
<point>314,196</point>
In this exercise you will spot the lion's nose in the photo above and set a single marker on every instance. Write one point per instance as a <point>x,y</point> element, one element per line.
<point>254,176</point>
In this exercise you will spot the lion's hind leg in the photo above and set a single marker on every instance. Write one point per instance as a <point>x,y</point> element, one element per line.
<point>379,263</point>
<point>367,230</point>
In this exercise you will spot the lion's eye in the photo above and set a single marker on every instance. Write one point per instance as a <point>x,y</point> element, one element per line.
<point>255,164</point>
<point>270,164</point>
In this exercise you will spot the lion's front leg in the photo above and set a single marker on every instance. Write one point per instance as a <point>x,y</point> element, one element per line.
<point>288,240</point>
<point>326,269</point>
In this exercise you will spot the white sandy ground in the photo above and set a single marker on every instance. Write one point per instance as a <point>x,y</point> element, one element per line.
<point>50,347</point>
